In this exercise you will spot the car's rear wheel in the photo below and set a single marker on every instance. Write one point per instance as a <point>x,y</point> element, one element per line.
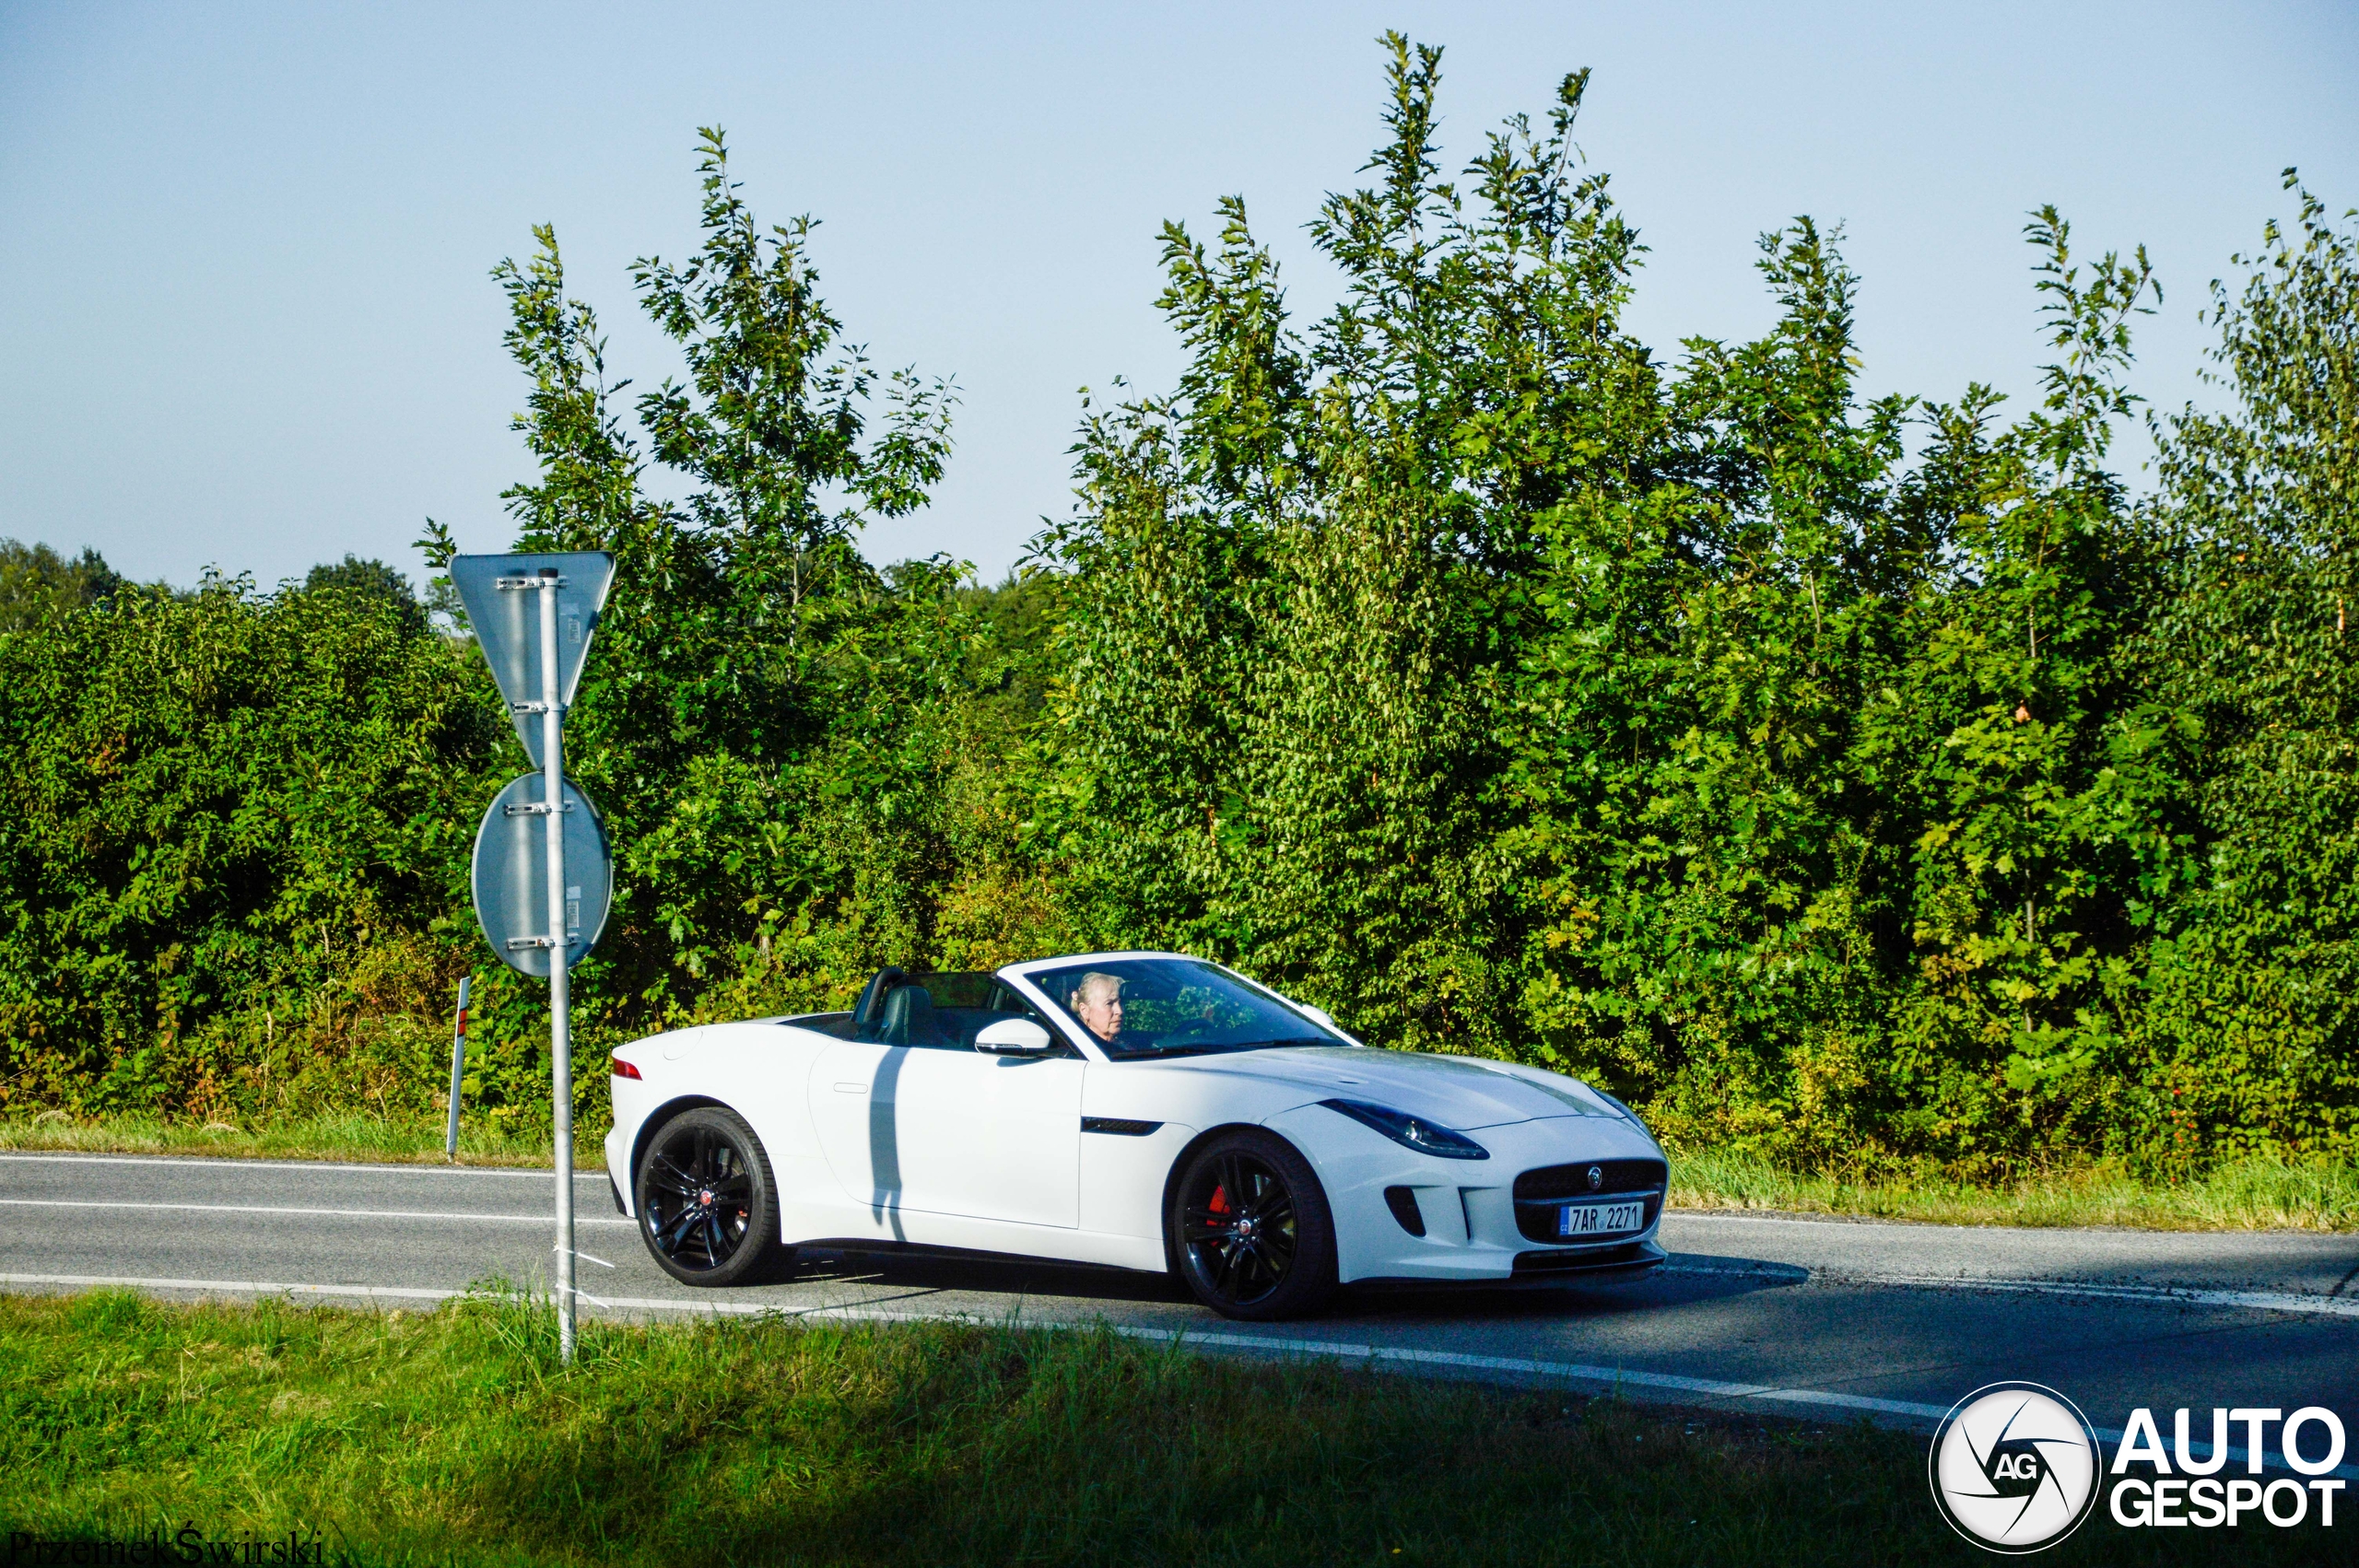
<point>707,1205</point>
<point>1251,1232</point>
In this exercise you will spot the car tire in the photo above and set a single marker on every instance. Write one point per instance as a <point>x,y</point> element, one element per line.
<point>708,1203</point>
<point>1249,1230</point>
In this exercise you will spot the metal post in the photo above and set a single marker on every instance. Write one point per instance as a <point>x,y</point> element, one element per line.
<point>560,1037</point>
<point>458,1067</point>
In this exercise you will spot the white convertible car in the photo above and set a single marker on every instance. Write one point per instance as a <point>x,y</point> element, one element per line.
<point>1141,1109</point>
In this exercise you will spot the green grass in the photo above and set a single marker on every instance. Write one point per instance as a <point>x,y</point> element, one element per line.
<point>2258,1193</point>
<point>347,1138</point>
<point>454,1438</point>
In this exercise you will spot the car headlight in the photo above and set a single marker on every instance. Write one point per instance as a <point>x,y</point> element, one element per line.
<point>1411,1132</point>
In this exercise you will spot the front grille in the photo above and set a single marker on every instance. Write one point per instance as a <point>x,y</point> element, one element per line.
<point>1538,1194</point>
<point>1572,1181</point>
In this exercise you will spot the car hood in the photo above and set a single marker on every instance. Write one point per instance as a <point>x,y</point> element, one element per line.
<point>1458,1091</point>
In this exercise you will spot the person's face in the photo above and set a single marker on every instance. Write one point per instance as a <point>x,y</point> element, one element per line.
<point>1101,1012</point>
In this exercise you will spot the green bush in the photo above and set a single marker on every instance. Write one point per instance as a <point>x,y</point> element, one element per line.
<point>1844,781</point>
<point>229,829</point>
<point>1854,784</point>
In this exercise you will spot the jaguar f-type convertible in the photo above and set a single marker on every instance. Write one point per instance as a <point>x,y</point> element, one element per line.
<point>1146,1110</point>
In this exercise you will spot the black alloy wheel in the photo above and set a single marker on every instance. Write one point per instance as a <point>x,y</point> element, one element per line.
<point>707,1207</point>
<point>1249,1228</point>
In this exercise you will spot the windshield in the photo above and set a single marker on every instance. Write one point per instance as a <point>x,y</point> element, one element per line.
<point>1141,1008</point>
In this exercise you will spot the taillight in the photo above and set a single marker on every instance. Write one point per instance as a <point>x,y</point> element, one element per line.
<point>623,1069</point>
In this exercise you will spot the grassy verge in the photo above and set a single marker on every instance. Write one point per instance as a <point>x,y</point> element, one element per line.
<point>454,1438</point>
<point>2251,1194</point>
<point>364,1139</point>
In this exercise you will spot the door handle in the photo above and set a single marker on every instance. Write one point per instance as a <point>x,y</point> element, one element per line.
<point>852,1088</point>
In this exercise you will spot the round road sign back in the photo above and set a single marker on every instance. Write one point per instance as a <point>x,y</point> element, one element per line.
<point>511,877</point>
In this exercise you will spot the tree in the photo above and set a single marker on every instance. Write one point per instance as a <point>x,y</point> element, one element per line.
<point>2249,884</point>
<point>1513,692</point>
<point>752,722</point>
<point>371,580</point>
<point>38,585</point>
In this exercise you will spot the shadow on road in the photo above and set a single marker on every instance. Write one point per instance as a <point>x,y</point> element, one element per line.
<point>1686,1280</point>
<point>915,1269</point>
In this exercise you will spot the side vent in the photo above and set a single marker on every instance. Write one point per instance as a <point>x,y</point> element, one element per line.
<point>1402,1201</point>
<point>1118,1127</point>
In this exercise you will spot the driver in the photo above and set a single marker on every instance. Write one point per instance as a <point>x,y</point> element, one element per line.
<point>1098,1002</point>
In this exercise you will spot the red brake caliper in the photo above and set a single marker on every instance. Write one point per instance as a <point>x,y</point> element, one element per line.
<point>1219,1205</point>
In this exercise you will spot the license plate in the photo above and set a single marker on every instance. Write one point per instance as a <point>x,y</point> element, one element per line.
<point>1599,1219</point>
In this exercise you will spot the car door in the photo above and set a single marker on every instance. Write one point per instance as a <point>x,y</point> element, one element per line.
<point>991,1137</point>
<point>853,1095</point>
<point>932,1126</point>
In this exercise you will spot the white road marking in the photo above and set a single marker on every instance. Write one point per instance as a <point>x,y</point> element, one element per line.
<point>2150,1295</point>
<point>2265,1301</point>
<point>1612,1377</point>
<point>232,1287</point>
<point>317,1168</point>
<point>1618,1376</point>
<point>318,1214</point>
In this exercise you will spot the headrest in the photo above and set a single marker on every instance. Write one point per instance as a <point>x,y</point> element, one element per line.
<point>868,1013</point>
<point>909,1016</point>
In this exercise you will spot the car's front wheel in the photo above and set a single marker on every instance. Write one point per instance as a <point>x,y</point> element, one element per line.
<point>707,1204</point>
<point>1251,1232</point>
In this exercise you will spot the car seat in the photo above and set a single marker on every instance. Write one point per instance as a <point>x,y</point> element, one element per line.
<point>908,1017</point>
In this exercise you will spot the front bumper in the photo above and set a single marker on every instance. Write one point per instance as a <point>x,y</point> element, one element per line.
<point>1542,1270</point>
<point>1467,1208</point>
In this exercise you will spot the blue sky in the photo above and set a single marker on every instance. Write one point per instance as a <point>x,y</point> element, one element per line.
<point>246,320</point>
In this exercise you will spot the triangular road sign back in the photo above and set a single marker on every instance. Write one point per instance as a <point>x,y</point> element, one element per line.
<point>507,623</point>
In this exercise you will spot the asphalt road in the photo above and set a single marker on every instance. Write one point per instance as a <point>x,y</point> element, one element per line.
<point>1798,1316</point>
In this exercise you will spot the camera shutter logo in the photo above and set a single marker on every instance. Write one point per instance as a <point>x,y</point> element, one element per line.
<point>2014,1466</point>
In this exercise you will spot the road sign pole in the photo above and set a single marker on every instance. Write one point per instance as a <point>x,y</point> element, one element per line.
<point>560,1035</point>
<point>458,1066</point>
<point>509,598</point>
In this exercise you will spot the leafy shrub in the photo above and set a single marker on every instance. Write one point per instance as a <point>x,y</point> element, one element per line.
<point>1860,784</point>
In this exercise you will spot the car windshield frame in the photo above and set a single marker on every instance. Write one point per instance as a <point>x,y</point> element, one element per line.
<point>1159,992</point>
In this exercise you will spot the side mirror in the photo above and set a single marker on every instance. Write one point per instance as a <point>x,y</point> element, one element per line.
<point>1014,1036</point>
<point>1319,1015</point>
